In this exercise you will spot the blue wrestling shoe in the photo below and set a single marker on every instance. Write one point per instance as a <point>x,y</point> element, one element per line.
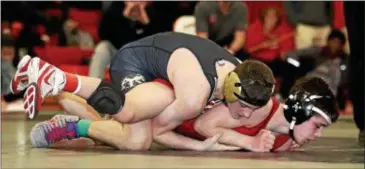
<point>60,127</point>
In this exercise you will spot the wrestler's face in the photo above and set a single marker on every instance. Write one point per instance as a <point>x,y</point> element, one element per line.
<point>310,129</point>
<point>238,110</point>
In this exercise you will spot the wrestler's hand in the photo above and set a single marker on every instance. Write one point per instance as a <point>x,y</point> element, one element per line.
<point>263,141</point>
<point>211,144</point>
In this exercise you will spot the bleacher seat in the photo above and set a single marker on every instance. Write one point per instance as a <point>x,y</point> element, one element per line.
<point>85,17</point>
<point>82,70</point>
<point>53,13</point>
<point>60,55</point>
<point>88,20</point>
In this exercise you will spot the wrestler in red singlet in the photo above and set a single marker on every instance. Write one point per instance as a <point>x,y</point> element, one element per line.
<point>187,127</point>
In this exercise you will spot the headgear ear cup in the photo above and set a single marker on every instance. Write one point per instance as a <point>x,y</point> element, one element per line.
<point>232,84</point>
<point>297,107</point>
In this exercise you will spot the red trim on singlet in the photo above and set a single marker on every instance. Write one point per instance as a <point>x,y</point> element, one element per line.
<point>187,127</point>
<point>164,82</point>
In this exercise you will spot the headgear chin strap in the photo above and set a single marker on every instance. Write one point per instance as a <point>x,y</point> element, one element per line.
<point>300,107</point>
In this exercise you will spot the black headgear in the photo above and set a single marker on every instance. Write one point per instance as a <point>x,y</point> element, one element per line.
<point>300,107</point>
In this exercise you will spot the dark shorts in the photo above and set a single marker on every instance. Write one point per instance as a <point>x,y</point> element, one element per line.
<point>130,67</point>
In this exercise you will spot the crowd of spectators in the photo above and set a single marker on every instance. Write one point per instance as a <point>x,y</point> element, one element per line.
<point>294,39</point>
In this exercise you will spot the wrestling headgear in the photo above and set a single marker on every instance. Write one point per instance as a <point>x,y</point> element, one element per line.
<point>251,83</point>
<point>302,105</point>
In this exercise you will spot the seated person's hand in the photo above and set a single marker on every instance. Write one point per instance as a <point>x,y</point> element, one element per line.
<point>45,38</point>
<point>136,11</point>
<point>273,43</point>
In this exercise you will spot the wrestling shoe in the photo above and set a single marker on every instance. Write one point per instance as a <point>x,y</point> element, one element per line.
<point>20,79</point>
<point>60,127</point>
<point>44,80</point>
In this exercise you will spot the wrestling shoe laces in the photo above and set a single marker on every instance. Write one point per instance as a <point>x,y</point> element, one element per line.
<point>60,128</point>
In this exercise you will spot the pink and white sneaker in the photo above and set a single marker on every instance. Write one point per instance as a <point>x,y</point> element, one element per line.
<point>44,80</point>
<point>60,127</point>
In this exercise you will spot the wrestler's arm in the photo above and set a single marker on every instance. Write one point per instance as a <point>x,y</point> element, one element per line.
<point>163,133</point>
<point>173,140</point>
<point>231,137</point>
<point>219,120</point>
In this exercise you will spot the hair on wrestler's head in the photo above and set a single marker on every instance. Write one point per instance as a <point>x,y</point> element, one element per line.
<point>317,86</point>
<point>262,76</point>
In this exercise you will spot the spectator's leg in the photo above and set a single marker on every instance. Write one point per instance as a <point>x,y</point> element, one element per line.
<point>304,36</point>
<point>104,52</point>
<point>288,75</point>
<point>354,16</point>
<point>341,98</point>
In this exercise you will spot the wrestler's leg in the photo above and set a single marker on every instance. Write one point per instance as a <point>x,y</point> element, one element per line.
<point>145,101</point>
<point>77,106</point>
<point>136,136</point>
<point>42,79</point>
<point>101,130</point>
<point>52,133</point>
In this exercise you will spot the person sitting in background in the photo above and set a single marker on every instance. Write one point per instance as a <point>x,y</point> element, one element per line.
<point>121,23</point>
<point>7,68</point>
<point>269,38</point>
<point>223,23</point>
<point>312,21</point>
<point>76,37</point>
<point>329,62</point>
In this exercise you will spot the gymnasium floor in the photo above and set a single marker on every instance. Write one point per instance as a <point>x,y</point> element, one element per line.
<point>336,149</point>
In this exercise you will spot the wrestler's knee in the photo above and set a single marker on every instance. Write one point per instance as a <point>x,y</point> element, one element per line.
<point>106,99</point>
<point>142,145</point>
<point>142,140</point>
